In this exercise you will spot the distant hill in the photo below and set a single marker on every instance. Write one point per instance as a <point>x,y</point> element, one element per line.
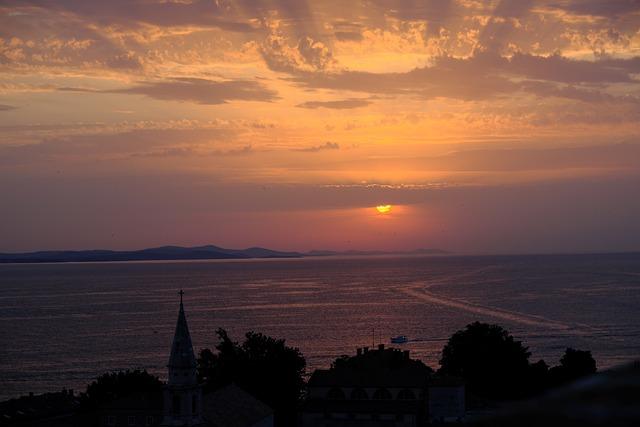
<point>366,253</point>
<point>183,253</point>
<point>151,254</point>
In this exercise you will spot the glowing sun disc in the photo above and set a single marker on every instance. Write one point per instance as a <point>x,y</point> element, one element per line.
<point>383,209</point>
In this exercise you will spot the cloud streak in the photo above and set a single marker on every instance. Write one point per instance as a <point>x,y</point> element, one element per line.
<point>482,76</point>
<point>203,91</point>
<point>609,8</point>
<point>324,147</point>
<point>343,104</point>
<point>161,13</point>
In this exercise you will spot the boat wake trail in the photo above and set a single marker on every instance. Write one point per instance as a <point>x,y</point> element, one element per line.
<point>421,292</point>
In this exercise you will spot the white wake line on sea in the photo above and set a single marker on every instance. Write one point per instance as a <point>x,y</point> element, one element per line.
<point>285,306</point>
<point>514,316</point>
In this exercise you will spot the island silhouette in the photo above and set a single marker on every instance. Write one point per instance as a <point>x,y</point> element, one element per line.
<point>164,253</point>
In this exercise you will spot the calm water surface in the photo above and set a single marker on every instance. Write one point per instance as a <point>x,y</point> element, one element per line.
<point>63,324</point>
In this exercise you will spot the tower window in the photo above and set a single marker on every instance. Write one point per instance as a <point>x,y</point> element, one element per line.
<point>406,394</point>
<point>335,393</point>
<point>382,394</point>
<point>359,394</point>
<point>176,405</point>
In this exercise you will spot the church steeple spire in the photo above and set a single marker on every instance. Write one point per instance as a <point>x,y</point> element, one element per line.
<point>182,394</point>
<point>182,356</point>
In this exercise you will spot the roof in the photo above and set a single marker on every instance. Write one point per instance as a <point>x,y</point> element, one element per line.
<point>231,406</point>
<point>376,368</point>
<point>28,409</point>
<point>142,401</point>
<point>182,356</point>
<point>405,378</point>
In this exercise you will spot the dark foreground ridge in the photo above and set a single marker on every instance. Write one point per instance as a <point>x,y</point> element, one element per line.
<point>166,253</point>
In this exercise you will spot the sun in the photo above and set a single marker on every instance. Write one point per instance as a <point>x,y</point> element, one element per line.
<point>383,209</point>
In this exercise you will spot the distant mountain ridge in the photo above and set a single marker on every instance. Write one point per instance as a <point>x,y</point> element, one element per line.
<point>166,253</point>
<point>422,251</point>
<point>150,254</point>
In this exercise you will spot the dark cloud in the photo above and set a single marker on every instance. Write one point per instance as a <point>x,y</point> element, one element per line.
<point>326,146</point>
<point>561,69</point>
<point>610,156</point>
<point>202,91</point>
<point>315,53</point>
<point>40,37</point>
<point>163,13</point>
<point>512,8</point>
<point>192,151</point>
<point>77,89</point>
<point>430,82</point>
<point>142,142</point>
<point>502,25</point>
<point>124,61</point>
<point>555,67</point>
<point>306,55</point>
<point>605,8</point>
<point>351,36</point>
<point>631,65</point>
<point>611,115</point>
<point>436,13</point>
<point>343,104</point>
<point>484,75</point>
<point>547,89</point>
<point>621,157</point>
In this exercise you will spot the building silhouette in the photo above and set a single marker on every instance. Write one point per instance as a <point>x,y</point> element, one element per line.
<point>380,387</point>
<point>182,393</point>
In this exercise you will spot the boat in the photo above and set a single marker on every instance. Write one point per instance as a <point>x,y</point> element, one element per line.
<point>400,339</point>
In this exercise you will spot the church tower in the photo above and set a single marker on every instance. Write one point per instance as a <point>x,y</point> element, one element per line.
<point>182,394</point>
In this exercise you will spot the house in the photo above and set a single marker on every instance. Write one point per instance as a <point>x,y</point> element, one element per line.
<point>136,409</point>
<point>231,406</point>
<point>381,387</point>
<point>48,409</point>
<point>228,406</point>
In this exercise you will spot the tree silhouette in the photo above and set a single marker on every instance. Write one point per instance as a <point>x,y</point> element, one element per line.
<point>114,385</point>
<point>574,364</point>
<point>261,365</point>
<point>537,380</point>
<point>492,363</point>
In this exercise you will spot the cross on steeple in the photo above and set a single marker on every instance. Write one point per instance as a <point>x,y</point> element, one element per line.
<point>181,293</point>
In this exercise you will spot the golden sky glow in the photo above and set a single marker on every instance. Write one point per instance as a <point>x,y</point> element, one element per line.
<point>497,126</point>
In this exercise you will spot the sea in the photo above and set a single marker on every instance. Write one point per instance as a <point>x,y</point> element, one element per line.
<point>62,325</point>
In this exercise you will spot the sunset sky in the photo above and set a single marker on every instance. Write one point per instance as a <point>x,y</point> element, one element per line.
<point>487,126</point>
